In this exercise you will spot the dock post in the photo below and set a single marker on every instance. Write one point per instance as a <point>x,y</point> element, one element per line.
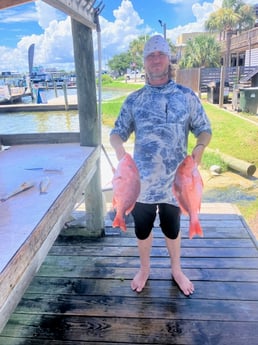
<point>90,125</point>
<point>65,96</point>
<point>55,88</point>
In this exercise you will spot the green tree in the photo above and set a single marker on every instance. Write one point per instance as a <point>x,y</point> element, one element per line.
<point>136,51</point>
<point>247,17</point>
<point>133,58</point>
<point>234,16</point>
<point>202,51</point>
<point>120,63</point>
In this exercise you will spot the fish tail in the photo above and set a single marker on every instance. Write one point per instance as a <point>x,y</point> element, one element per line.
<point>195,229</point>
<point>119,222</point>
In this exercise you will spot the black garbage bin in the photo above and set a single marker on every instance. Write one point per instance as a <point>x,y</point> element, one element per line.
<point>213,89</point>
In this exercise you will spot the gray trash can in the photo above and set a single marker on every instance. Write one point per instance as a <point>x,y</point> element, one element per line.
<point>213,89</point>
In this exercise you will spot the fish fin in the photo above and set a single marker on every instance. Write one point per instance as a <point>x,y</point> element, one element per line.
<point>129,210</point>
<point>195,229</point>
<point>178,198</point>
<point>183,210</point>
<point>119,222</point>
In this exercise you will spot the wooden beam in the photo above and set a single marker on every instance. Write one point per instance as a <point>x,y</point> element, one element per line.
<point>90,124</point>
<point>39,138</point>
<point>242,42</point>
<point>86,87</point>
<point>10,3</point>
<point>80,10</point>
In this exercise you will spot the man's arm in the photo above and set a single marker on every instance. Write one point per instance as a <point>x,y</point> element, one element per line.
<point>202,141</point>
<point>117,144</point>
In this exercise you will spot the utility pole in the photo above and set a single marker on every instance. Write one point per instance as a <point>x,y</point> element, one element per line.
<point>164,26</point>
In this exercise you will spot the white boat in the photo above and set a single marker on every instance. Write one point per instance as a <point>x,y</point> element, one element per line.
<point>11,94</point>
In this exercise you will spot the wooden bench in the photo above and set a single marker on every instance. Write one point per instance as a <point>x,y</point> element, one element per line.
<point>31,221</point>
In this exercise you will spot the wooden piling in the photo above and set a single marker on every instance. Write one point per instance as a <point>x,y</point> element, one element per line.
<point>90,131</point>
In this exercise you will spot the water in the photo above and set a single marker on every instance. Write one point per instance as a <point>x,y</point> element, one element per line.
<point>39,122</point>
<point>47,121</point>
<point>50,94</point>
<point>58,121</point>
<point>68,121</point>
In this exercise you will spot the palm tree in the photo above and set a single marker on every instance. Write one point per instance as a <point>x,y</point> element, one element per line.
<point>234,16</point>
<point>136,46</point>
<point>202,51</point>
<point>247,17</point>
<point>136,51</point>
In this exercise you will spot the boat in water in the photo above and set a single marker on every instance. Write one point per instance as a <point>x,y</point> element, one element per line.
<point>12,94</point>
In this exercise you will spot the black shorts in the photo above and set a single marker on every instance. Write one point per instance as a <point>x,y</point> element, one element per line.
<point>144,216</point>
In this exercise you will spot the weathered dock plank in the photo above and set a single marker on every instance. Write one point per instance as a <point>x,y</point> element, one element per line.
<point>59,329</point>
<point>156,287</point>
<point>82,295</point>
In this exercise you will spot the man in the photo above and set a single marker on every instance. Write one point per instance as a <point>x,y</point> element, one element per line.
<point>161,114</point>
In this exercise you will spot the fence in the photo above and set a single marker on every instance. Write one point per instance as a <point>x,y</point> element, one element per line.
<point>198,78</point>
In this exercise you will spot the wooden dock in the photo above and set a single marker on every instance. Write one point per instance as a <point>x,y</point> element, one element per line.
<point>55,104</point>
<point>30,221</point>
<point>81,294</point>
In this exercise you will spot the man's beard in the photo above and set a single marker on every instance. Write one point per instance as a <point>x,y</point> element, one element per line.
<point>157,75</point>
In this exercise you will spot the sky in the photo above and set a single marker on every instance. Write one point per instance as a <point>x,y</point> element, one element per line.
<point>121,21</point>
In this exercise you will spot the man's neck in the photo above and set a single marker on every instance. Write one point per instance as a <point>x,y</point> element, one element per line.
<point>158,82</point>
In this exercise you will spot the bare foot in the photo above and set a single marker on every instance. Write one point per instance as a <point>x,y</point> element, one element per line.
<point>140,280</point>
<point>183,283</point>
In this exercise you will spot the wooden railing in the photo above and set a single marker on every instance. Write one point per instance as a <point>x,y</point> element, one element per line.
<point>243,41</point>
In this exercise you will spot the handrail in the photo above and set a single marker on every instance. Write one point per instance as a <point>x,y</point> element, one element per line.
<point>242,42</point>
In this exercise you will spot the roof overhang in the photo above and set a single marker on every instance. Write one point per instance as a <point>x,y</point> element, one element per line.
<point>10,3</point>
<point>81,10</point>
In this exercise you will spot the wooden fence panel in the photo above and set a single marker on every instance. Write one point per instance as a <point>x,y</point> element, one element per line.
<point>189,77</point>
<point>199,78</point>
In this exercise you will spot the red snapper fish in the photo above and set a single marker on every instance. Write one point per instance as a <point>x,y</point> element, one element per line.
<point>126,189</point>
<point>187,187</point>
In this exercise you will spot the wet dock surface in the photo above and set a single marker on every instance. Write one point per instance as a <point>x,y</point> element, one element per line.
<point>82,295</point>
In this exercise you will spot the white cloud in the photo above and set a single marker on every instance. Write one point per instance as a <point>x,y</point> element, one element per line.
<point>251,2</point>
<point>54,46</point>
<point>174,2</point>
<point>46,14</point>
<point>117,35</point>
<point>13,16</point>
<point>201,14</point>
